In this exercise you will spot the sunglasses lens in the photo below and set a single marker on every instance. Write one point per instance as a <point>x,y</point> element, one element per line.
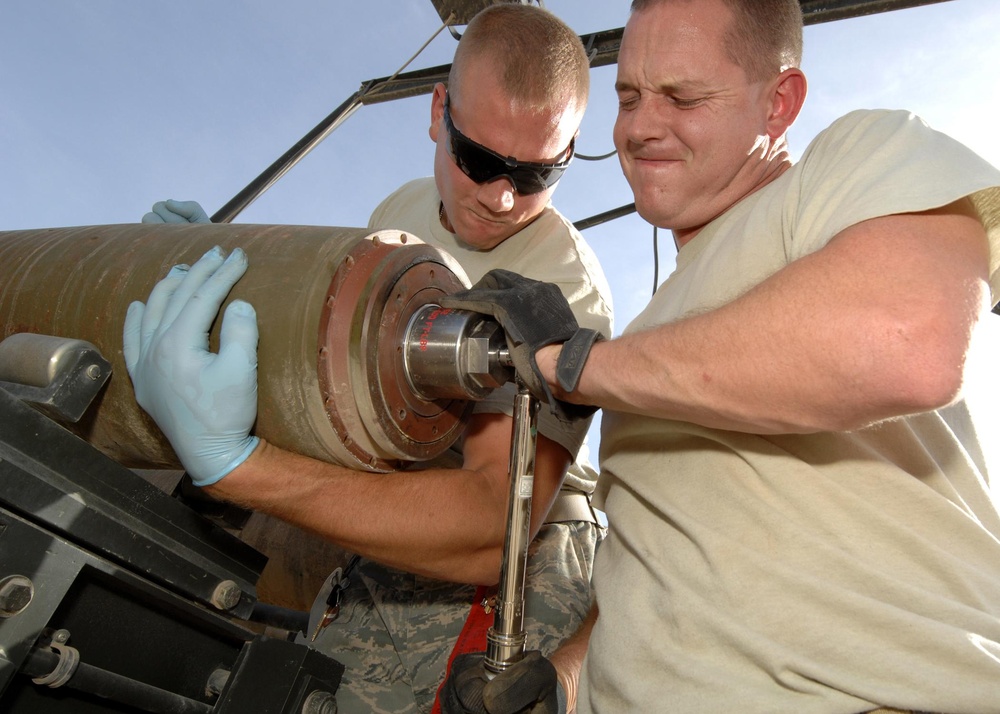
<point>529,181</point>
<point>478,165</point>
<point>482,165</point>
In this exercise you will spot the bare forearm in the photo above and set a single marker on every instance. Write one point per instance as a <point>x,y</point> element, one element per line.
<point>442,523</point>
<point>834,341</point>
<point>445,523</point>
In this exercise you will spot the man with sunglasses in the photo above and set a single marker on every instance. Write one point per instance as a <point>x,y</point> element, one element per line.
<point>505,129</point>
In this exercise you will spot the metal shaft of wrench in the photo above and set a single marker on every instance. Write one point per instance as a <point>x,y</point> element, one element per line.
<point>505,640</point>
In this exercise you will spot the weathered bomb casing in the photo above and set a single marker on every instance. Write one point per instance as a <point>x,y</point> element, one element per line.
<point>332,306</point>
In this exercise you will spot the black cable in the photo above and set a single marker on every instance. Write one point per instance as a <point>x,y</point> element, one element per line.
<point>585,157</point>
<point>656,261</point>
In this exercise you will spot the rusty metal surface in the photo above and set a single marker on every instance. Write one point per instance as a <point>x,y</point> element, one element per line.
<point>78,282</point>
<point>371,298</point>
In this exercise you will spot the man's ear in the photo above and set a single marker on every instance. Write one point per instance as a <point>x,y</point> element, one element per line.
<point>437,110</point>
<point>788,94</point>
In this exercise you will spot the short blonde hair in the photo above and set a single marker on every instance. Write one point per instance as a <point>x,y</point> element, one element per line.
<point>539,60</point>
<point>765,37</point>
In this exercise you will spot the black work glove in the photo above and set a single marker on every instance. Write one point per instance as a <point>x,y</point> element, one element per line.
<point>529,686</point>
<point>533,314</point>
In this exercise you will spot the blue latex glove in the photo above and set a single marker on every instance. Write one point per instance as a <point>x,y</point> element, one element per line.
<point>204,403</point>
<point>171,211</point>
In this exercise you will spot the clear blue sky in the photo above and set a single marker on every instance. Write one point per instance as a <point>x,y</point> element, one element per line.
<point>109,105</point>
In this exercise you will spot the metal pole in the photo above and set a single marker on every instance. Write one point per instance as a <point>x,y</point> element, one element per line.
<point>596,220</point>
<point>114,687</point>
<point>287,160</point>
<point>505,640</point>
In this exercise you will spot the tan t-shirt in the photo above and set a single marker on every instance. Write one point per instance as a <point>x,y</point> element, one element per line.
<point>548,249</point>
<point>830,572</point>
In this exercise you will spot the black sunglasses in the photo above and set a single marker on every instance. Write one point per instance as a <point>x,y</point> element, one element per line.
<point>482,164</point>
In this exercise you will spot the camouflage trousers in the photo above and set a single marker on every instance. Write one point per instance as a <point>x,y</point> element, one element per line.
<point>396,630</point>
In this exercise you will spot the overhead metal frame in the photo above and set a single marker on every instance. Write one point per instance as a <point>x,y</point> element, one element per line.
<point>818,11</point>
<point>602,47</point>
<point>461,12</point>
